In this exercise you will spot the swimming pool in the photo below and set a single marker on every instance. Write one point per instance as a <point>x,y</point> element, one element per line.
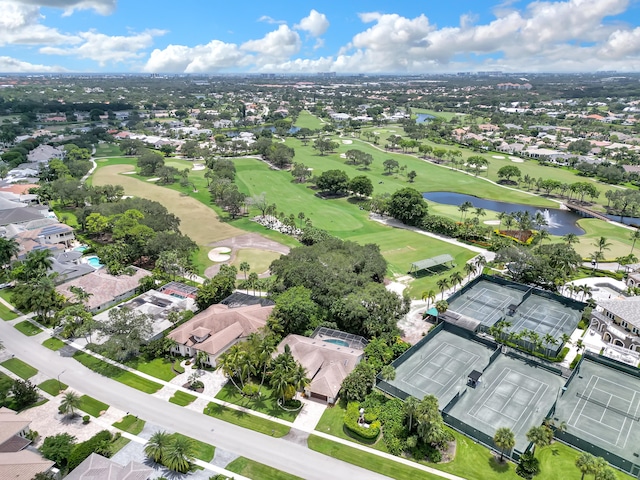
<point>94,262</point>
<point>337,341</point>
<point>81,248</point>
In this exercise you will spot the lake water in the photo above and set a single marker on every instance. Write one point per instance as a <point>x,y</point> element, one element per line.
<point>560,222</point>
<point>423,117</point>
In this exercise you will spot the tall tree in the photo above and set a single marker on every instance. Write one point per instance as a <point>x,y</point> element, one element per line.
<point>70,402</point>
<point>586,464</point>
<point>504,440</point>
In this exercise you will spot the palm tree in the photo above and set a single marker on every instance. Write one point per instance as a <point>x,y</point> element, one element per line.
<point>566,339</point>
<point>429,296</point>
<point>540,436</point>
<point>9,248</point>
<point>469,269</point>
<point>570,238</point>
<point>635,235</point>
<point>549,339</point>
<point>579,345</point>
<point>585,463</point>
<point>179,454</point>
<point>442,306</point>
<point>456,278</point>
<point>264,351</point>
<point>299,379</point>
<point>443,284</point>
<point>504,440</point>
<point>388,372</point>
<point>70,402</point>
<point>479,212</point>
<point>157,446</point>
<point>253,280</point>
<point>543,235</point>
<point>602,244</point>
<point>244,268</point>
<point>463,208</point>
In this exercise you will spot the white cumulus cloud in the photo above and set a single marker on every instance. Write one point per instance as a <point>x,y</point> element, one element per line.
<point>20,25</point>
<point>315,23</point>
<point>213,57</point>
<point>13,65</point>
<point>103,7</point>
<point>278,44</point>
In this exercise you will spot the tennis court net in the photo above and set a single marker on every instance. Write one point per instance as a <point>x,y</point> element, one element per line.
<point>608,407</point>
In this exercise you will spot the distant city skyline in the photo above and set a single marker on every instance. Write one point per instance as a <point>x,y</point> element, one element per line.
<point>358,36</point>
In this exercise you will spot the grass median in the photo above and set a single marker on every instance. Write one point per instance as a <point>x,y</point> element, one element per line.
<point>181,398</point>
<point>92,406</point>
<point>52,386</point>
<point>54,344</point>
<point>28,328</point>
<point>117,373</point>
<point>131,424</point>
<point>250,469</point>
<point>20,368</point>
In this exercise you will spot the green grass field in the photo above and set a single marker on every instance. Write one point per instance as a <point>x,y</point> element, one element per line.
<point>250,469</point>
<point>130,424</point>
<point>308,120</point>
<point>181,398</point>
<point>116,373</point>
<point>260,260</point>
<point>246,420</point>
<point>107,150</point>
<point>158,367</point>
<point>28,328</point>
<point>202,451</point>
<point>20,368</point>
<point>267,403</point>
<point>52,386</point>
<point>54,344</point>
<point>92,406</point>
<point>6,313</point>
<point>332,423</point>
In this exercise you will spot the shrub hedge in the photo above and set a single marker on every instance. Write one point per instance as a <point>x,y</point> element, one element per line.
<point>96,444</point>
<point>351,423</point>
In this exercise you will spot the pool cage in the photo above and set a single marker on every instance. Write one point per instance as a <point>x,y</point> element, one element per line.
<point>354,341</point>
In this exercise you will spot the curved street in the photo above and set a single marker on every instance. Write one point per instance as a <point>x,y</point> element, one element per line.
<point>278,453</point>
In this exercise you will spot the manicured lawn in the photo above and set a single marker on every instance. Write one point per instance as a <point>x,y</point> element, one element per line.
<point>259,260</point>
<point>20,368</point>
<point>266,404</point>
<point>201,260</point>
<point>54,344</point>
<point>92,406</point>
<point>181,398</point>
<point>116,373</point>
<point>445,115</point>
<point>246,420</point>
<point>28,328</point>
<point>557,462</point>
<point>158,367</point>
<point>248,468</point>
<point>308,120</point>
<point>367,460</point>
<point>6,313</point>
<point>118,445</point>
<point>203,451</point>
<point>617,236</point>
<point>6,293</point>
<point>130,424</point>
<point>52,386</point>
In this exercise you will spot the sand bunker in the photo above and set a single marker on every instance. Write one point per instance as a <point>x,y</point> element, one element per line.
<point>347,142</point>
<point>516,160</point>
<point>155,179</point>
<point>343,155</point>
<point>499,157</point>
<point>492,222</point>
<point>198,166</point>
<point>219,254</point>
<point>129,173</point>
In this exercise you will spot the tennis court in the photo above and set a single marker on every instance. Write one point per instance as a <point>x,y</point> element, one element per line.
<point>486,301</point>
<point>545,317</point>
<point>602,406</point>
<point>440,367</point>
<point>512,394</point>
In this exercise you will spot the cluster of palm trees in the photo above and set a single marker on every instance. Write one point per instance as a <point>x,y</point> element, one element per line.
<point>252,279</point>
<point>601,245</point>
<point>176,452</point>
<point>596,466</point>
<point>529,339</point>
<point>251,361</point>
<point>455,279</point>
<point>580,291</point>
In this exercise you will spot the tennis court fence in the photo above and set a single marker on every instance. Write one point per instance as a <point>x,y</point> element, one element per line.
<point>608,407</point>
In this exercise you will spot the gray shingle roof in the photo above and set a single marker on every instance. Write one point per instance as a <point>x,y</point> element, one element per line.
<point>627,309</point>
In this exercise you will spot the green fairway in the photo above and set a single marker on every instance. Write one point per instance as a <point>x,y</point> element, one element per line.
<point>259,260</point>
<point>246,420</point>
<point>444,115</point>
<point>54,344</point>
<point>308,120</point>
<point>130,424</point>
<point>107,150</point>
<point>28,328</point>
<point>250,469</point>
<point>52,386</point>
<point>617,236</point>
<point>344,219</point>
<point>92,406</point>
<point>21,369</point>
<point>181,398</point>
<point>116,373</point>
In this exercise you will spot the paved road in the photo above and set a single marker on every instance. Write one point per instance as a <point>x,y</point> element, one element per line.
<point>278,453</point>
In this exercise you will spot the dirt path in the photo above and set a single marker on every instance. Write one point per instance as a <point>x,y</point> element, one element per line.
<point>197,221</point>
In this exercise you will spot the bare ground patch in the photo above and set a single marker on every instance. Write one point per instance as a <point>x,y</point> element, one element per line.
<point>197,220</point>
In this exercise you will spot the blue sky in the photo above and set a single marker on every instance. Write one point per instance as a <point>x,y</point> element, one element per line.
<point>354,36</point>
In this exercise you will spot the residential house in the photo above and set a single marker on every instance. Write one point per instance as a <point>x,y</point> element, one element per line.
<point>327,363</point>
<point>15,461</point>
<point>44,153</point>
<point>105,289</point>
<point>97,467</point>
<point>217,328</point>
<point>618,321</point>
